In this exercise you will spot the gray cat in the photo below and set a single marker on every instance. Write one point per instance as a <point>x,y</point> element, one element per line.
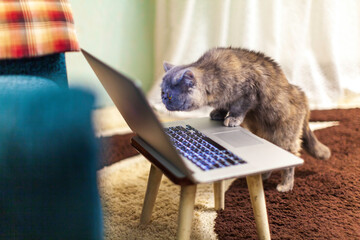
<point>245,88</point>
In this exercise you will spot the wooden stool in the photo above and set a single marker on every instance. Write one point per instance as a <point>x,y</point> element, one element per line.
<point>187,197</point>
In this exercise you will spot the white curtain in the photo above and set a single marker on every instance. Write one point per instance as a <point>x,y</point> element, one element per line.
<point>317,42</point>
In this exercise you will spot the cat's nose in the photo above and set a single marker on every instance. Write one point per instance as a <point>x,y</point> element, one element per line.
<point>166,96</point>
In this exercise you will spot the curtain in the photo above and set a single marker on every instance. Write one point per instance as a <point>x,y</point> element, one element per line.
<point>317,43</point>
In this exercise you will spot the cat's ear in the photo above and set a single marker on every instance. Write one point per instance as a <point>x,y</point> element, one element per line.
<point>187,77</point>
<point>168,66</point>
<point>188,74</point>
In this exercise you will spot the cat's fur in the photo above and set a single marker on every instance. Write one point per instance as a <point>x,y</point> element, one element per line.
<point>248,88</point>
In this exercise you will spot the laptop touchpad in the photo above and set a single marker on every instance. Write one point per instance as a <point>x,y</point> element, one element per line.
<point>238,138</point>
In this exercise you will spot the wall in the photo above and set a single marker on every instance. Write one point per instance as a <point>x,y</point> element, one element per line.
<point>121,33</point>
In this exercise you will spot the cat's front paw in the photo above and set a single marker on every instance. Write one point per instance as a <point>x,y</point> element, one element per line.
<point>233,121</point>
<point>218,114</point>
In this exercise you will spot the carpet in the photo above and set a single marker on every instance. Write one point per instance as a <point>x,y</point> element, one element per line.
<point>324,204</point>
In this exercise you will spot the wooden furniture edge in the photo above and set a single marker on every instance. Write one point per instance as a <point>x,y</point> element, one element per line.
<point>176,180</point>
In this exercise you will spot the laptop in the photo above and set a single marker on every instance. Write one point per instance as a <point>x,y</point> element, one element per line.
<point>201,149</point>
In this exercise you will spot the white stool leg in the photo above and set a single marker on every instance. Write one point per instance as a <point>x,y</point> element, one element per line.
<point>258,203</point>
<point>151,193</point>
<point>186,211</point>
<point>219,195</point>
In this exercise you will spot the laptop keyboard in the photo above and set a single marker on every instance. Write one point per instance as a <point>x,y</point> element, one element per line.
<point>201,150</point>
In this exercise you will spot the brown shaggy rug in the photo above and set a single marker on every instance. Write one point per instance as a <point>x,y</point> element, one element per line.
<point>325,201</point>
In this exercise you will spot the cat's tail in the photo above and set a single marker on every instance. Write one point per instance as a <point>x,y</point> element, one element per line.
<point>312,145</point>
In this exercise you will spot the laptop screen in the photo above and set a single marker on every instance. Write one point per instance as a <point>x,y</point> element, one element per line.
<point>133,106</point>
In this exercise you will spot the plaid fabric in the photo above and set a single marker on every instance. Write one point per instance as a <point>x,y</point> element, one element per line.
<point>30,28</point>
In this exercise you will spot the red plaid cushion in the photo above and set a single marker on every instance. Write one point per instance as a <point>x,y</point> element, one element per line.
<point>31,28</point>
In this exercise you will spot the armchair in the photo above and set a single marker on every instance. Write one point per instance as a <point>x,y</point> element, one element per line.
<point>48,153</point>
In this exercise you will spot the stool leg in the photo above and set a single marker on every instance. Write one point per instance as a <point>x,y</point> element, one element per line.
<point>186,211</point>
<point>219,195</point>
<point>258,203</point>
<point>151,193</point>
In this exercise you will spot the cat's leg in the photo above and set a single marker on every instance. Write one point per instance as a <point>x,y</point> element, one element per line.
<point>235,117</point>
<point>252,127</point>
<point>238,110</point>
<point>288,174</point>
<point>266,175</point>
<point>287,180</point>
<point>218,114</point>
<point>234,121</point>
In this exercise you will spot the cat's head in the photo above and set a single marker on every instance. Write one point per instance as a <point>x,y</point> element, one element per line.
<point>180,90</point>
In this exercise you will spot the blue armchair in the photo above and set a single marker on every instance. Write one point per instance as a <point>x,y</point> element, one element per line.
<point>48,154</point>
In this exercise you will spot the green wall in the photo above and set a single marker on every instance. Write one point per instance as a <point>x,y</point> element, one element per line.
<point>121,33</point>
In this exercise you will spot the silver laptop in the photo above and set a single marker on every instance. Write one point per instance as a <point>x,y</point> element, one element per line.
<point>201,149</point>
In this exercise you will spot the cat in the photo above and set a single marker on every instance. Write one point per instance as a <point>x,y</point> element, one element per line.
<point>245,88</point>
